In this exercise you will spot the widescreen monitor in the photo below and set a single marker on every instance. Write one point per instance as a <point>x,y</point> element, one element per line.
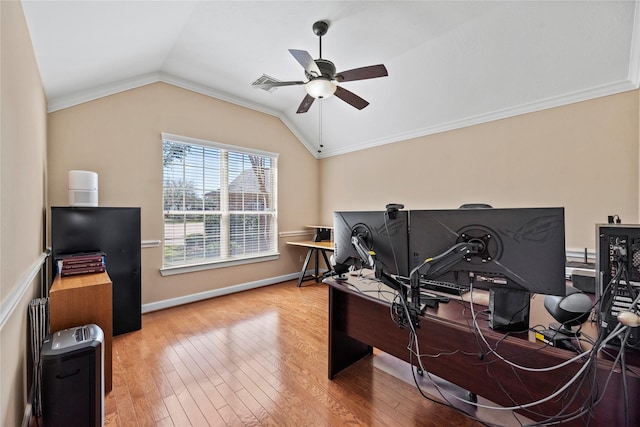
<point>384,234</point>
<point>522,248</point>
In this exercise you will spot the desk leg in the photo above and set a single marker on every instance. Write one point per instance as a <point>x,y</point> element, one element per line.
<point>304,267</point>
<point>343,350</point>
<point>326,260</point>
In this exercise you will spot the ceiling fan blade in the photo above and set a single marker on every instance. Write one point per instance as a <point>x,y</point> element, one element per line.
<point>305,104</point>
<point>350,98</point>
<point>276,84</point>
<point>307,62</point>
<point>362,73</point>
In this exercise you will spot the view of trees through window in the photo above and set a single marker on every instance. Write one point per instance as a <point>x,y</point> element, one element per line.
<point>219,204</point>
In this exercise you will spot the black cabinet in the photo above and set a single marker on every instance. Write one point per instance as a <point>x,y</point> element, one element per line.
<point>116,232</point>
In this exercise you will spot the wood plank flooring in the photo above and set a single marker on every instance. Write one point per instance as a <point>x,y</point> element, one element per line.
<point>256,358</point>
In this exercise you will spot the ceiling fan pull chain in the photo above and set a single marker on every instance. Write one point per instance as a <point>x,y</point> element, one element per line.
<point>320,127</point>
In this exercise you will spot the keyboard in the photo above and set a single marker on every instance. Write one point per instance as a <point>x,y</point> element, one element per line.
<point>437,285</point>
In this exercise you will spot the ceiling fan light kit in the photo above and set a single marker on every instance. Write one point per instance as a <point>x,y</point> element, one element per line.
<point>320,87</point>
<point>322,77</point>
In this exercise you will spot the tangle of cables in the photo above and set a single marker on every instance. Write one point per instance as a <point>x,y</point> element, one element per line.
<point>573,398</point>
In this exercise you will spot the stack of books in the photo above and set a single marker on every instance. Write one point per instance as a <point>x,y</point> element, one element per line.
<point>81,263</point>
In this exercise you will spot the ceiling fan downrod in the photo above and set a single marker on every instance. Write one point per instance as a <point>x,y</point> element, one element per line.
<point>320,29</point>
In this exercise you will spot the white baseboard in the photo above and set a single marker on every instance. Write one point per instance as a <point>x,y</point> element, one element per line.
<point>173,302</point>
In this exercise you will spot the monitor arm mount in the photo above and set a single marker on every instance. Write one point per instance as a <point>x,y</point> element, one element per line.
<point>368,257</point>
<point>438,265</point>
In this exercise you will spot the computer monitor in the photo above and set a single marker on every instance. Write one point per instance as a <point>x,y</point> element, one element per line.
<point>511,252</point>
<point>520,248</point>
<point>377,231</point>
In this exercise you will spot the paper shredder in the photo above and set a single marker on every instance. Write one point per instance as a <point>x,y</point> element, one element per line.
<point>73,377</point>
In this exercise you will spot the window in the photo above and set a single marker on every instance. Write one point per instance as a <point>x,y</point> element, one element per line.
<point>219,204</point>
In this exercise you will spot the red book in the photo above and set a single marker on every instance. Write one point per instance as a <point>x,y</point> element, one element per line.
<point>84,270</point>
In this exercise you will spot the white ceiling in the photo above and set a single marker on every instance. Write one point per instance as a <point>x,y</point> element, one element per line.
<point>450,63</point>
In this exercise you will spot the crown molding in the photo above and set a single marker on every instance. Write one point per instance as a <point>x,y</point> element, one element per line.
<point>80,97</point>
<point>634,55</point>
<point>544,104</point>
<point>207,91</point>
<point>60,103</point>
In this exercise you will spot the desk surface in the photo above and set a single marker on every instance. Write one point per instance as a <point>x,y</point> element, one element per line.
<point>359,319</point>
<point>313,245</point>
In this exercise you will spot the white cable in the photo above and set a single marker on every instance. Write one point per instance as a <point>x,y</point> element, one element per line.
<point>618,329</point>
<point>526,405</point>
<point>515,365</point>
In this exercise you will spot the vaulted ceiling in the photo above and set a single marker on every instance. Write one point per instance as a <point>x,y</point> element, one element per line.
<point>450,63</point>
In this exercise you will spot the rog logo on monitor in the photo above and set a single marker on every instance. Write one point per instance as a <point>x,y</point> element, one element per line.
<point>538,230</point>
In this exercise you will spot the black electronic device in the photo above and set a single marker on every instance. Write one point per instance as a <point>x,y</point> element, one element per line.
<point>73,377</point>
<point>518,249</point>
<point>116,231</point>
<point>381,239</point>
<point>618,277</point>
<point>573,309</point>
<point>438,285</point>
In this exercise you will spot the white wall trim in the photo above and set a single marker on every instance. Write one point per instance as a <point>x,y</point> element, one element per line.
<point>208,91</point>
<point>531,107</point>
<point>634,55</point>
<point>186,299</point>
<point>552,102</point>
<point>168,303</point>
<point>17,293</point>
<point>191,268</point>
<point>80,97</point>
<point>150,243</point>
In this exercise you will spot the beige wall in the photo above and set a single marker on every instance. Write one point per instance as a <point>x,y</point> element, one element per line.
<point>119,137</point>
<point>552,157</point>
<point>22,202</point>
<point>582,156</point>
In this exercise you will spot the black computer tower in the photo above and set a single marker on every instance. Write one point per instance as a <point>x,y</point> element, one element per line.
<point>73,378</point>
<point>618,278</point>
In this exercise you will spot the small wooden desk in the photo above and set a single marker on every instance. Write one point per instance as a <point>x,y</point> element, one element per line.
<point>81,300</point>
<point>313,248</point>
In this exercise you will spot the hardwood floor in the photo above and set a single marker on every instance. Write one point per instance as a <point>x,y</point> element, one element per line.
<point>256,358</point>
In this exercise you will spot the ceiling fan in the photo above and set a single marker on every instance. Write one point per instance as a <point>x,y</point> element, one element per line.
<point>322,76</point>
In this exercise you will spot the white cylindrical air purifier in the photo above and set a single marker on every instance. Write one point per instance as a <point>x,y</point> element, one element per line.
<point>83,188</point>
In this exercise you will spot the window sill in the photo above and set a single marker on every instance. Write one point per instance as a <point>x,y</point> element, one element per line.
<point>180,269</point>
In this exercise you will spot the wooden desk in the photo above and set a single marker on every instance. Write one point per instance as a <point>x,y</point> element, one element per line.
<point>358,322</point>
<point>81,300</point>
<point>313,248</point>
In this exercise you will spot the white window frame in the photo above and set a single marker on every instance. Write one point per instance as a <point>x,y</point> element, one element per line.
<point>226,259</point>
